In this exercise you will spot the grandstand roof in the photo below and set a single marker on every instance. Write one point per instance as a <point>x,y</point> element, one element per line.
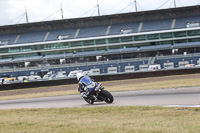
<point>101,20</point>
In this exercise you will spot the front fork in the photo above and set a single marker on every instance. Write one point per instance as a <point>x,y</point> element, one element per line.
<point>96,95</point>
<point>99,97</point>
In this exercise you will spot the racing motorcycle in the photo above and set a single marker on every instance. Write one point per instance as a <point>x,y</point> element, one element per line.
<point>98,93</point>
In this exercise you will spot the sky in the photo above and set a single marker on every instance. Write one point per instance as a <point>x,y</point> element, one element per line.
<point>12,11</point>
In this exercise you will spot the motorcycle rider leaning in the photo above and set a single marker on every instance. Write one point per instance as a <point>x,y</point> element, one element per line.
<point>83,87</point>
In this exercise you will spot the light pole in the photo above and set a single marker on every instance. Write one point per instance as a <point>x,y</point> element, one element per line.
<point>87,63</point>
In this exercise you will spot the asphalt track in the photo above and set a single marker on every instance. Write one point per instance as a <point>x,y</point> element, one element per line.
<point>172,97</point>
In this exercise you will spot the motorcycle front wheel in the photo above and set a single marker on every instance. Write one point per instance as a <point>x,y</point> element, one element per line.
<point>107,95</point>
<point>90,101</point>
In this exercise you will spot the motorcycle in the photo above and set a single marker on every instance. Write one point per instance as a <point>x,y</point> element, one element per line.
<point>98,94</point>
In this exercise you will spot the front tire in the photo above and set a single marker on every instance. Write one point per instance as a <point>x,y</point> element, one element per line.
<point>107,95</point>
<point>89,100</point>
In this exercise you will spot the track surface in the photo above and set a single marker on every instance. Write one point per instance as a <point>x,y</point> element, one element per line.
<point>161,97</point>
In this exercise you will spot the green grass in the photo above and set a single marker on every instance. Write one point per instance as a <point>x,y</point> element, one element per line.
<point>101,120</point>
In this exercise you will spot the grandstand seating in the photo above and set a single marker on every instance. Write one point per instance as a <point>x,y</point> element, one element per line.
<point>181,22</point>
<point>53,34</point>
<point>101,30</point>
<point>92,31</point>
<point>32,58</point>
<point>119,51</point>
<point>5,60</point>
<point>127,50</point>
<point>156,25</point>
<point>10,38</point>
<point>89,53</point>
<point>113,51</point>
<point>188,44</point>
<point>155,47</point>
<point>116,28</point>
<point>31,37</point>
<point>57,56</point>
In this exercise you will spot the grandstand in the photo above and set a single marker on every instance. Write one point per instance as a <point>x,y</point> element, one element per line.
<point>168,37</point>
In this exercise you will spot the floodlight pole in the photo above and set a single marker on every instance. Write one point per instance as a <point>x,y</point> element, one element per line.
<point>98,8</point>
<point>175,3</point>
<point>135,5</point>
<point>61,11</point>
<point>26,15</point>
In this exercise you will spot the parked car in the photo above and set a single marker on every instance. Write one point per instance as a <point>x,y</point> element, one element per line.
<point>190,65</point>
<point>72,74</point>
<point>9,80</point>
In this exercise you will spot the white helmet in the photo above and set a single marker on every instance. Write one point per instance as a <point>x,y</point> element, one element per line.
<point>79,75</point>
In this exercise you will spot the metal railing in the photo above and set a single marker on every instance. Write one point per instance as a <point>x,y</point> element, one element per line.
<point>178,56</point>
<point>2,69</point>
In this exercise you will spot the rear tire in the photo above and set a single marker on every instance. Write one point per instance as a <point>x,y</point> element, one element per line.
<point>107,95</point>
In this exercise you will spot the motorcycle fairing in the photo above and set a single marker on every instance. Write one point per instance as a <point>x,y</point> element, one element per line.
<point>90,84</point>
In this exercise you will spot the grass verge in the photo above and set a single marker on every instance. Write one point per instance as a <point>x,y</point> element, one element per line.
<point>101,120</point>
<point>157,85</point>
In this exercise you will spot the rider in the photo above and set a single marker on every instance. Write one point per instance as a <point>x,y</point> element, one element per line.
<point>85,85</point>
